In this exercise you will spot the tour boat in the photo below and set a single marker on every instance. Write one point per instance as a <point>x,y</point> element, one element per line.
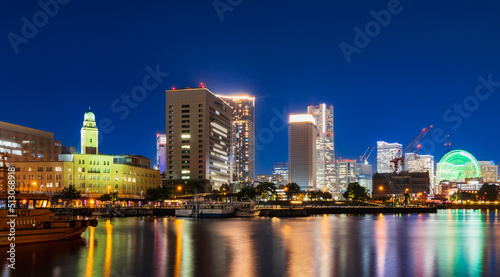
<point>216,210</point>
<point>187,211</point>
<point>247,208</point>
<point>27,219</point>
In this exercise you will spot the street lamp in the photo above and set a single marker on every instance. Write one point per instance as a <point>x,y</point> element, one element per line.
<point>109,188</point>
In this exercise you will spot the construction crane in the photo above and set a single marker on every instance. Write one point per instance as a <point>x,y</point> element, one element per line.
<point>365,157</point>
<point>399,158</point>
<point>448,144</point>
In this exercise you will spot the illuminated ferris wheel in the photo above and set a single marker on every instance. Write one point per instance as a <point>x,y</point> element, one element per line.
<point>458,165</point>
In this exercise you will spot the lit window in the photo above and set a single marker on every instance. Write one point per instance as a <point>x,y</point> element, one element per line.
<point>185,136</point>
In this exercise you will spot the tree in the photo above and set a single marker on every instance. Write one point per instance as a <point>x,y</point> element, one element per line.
<point>407,198</point>
<point>111,197</point>
<point>356,192</point>
<point>327,195</point>
<point>264,189</point>
<point>292,189</point>
<point>224,188</point>
<point>158,194</point>
<point>488,192</point>
<point>70,192</point>
<point>246,191</point>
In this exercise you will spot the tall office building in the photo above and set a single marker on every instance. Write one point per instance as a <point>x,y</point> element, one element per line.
<point>385,153</point>
<point>302,151</point>
<point>489,171</point>
<point>421,163</point>
<point>161,150</point>
<point>27,144</point>
<point>243,136</point>
<point>198,137</point>
<point>364,176</point>
<point>281,169</point>
<point>325,171</point>
<point>346,173</point>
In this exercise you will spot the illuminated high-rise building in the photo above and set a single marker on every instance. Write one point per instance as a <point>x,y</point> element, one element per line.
<point>346,172</point>
<point>325,148</point>
<point>281,169</point>
<point>302,151</point>
<point>243,136</point>
<point>385,153</point>
<point>199,133</point>
<point>364,175</point>
<point>161,144</point>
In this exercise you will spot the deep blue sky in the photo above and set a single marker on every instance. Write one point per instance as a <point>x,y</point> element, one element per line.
<point>286,53</point>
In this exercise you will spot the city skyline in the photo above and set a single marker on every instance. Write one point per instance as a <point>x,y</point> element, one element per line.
<point>66,82</point>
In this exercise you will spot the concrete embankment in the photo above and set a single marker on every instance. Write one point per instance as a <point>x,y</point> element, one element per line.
<point>300,212</point>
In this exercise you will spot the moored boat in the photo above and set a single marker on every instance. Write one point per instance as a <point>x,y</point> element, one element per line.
<point>216,210</point>
<point>28,220</point>
<point>247,208</point>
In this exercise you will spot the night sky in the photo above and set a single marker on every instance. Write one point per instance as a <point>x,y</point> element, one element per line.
<point>405,77</point>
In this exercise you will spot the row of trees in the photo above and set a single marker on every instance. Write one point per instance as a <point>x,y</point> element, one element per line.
<point>268,191</point>
<point>487,192</point>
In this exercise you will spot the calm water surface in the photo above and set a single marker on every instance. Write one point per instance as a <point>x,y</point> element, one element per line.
<point>450,243</point>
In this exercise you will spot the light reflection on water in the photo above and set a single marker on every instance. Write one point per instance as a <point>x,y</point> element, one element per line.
<point>450,243</point>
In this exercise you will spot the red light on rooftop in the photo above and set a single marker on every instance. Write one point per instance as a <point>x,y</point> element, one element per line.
<point>173,88</point>
<point>201,85</point>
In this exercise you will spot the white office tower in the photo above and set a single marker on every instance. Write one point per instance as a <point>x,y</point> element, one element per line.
<point>325,149</point>
<point>385,153</point>
<point>302,151</point>
<point>364,175</point>
<point>346,173</point>
<point>421,163</point>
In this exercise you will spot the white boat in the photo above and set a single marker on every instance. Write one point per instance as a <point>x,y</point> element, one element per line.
<point>247,208</point>
<point>216,210</point>
<point>187,211</point>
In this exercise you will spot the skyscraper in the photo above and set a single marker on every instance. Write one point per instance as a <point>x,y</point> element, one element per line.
<point>346,173</point>
<point>161,144</point>
<point>198,137</point>
<point>302,151</point>
<point>243,136</point>
<point>385,153</point>
<point>281,169</point>
<point>364,175</point>
<point>325,171</point>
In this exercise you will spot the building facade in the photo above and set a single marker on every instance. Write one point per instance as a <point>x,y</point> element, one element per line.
<point>346,173</point>
<point>199,133</point>
<point>421,163</point>
<point>281,169</point>
<point>302,151</point>
<point>364,175</point>
<point>27,144</point>
<point>489,171</point>
<point>325,148</point>
<point>387,185</point>
<point>275,179</point>
<point>385,153</point>
<point>243,136</point>
<point>161,150</point>
<point>129,175</point>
